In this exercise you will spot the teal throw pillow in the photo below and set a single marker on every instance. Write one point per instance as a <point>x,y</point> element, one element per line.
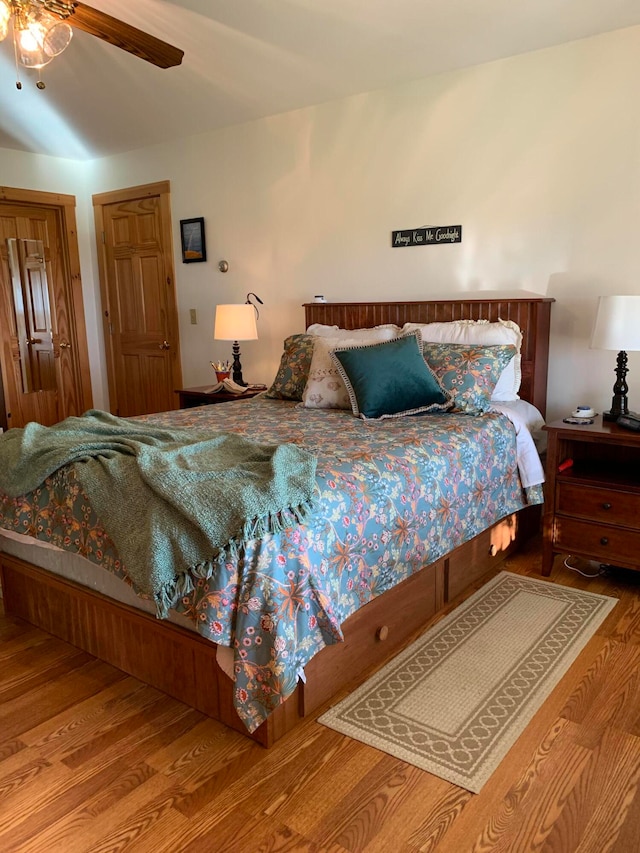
<point>293,372</point>
<point>469,372</point>
<point>390,379</point>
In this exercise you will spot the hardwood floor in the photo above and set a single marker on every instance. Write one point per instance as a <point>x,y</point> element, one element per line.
<point>93,760</point>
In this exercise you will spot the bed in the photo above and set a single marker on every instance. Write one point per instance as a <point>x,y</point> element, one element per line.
<point>309,609</point>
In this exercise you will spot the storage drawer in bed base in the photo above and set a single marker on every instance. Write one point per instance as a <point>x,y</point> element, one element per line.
<point>379,629</point>
<point>183,664</point>
<point>485,552</point>
<point>373,634</point>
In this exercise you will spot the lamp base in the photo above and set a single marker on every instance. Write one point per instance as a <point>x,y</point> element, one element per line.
<point>236,367</point>
<point>612,415</point>
<point>619,403</point>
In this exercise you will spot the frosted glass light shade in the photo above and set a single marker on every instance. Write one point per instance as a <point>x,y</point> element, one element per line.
<point>235,323</point>
<point>617,325</point>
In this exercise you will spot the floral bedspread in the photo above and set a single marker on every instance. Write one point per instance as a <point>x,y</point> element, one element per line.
<point>392,496</point>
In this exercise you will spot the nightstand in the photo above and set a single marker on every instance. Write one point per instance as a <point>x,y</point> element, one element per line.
<point>592,507</point>
<point>190,397</point>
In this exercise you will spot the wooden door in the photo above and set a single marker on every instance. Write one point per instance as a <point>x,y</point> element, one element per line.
<point>44,357</point>
<point>27,263</point>
<point>139,302</point>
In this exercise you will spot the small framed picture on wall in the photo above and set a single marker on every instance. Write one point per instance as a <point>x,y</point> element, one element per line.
<point>194,248</point>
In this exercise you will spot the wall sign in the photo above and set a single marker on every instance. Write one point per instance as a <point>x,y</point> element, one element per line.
<point>427,236</point>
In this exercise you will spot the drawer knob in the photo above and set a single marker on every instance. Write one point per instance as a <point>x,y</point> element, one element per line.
<point>604,541</point>
<point>606,506</point>
<point>493,549</point>
<point>382,633</point>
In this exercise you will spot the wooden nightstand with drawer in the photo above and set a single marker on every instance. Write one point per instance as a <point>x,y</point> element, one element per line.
<point>592,505</point>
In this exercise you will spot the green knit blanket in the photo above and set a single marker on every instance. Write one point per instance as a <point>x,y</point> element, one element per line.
<point>172,500</point>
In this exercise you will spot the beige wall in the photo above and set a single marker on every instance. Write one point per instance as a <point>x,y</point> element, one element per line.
<point>537,157</point>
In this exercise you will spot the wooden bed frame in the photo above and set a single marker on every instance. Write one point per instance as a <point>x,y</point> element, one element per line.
<point>173,659</point>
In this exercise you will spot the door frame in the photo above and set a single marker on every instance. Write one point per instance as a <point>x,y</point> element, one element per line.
<point>162,189</point>
<point>65,207</point>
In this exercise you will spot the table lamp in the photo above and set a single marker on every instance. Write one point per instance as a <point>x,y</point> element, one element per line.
<point>235,323</point>
<point>617,327</point>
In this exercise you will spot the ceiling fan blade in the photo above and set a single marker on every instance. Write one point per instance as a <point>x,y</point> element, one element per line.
<point>124,36</point>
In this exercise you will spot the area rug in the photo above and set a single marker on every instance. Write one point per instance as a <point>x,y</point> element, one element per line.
<point>456,700</point>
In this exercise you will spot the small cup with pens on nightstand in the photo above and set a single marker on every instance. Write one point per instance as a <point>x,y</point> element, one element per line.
<point>222,369</point>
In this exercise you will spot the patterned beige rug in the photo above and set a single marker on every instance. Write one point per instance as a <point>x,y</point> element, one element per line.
<point>455,701</point>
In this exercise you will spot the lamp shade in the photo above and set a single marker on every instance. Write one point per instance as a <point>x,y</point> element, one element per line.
<point>617,325</point>
<point>235,323</point>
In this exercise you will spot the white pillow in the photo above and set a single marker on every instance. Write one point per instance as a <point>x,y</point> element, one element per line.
<point>386,332</point>
<point>325,388</point>
<point>480,332</point>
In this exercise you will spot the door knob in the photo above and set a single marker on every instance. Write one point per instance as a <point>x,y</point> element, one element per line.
<point>34,341</point>
<point>65,345</point>
<point>165,345</point>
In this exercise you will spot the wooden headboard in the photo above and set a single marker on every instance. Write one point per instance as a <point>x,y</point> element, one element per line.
<point>532,315</point>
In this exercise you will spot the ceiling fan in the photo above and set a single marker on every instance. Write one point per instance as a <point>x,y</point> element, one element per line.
<point>42,29</point>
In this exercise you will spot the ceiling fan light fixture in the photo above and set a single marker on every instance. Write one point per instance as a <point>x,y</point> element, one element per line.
<point>38,35</point>
<point>42,29</point>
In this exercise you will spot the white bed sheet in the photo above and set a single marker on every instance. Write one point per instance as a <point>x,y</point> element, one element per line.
<point>528,422</point>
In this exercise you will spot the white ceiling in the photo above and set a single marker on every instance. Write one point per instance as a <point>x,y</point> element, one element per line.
<point>246,59</point>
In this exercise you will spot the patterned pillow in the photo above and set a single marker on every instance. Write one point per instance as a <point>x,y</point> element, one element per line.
<point>325,387</point>
<point>468,372</point>
<point>480,333</point>
<point>293,372</point>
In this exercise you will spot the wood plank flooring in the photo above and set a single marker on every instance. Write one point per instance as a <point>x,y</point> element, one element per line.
<point>93,761</point>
